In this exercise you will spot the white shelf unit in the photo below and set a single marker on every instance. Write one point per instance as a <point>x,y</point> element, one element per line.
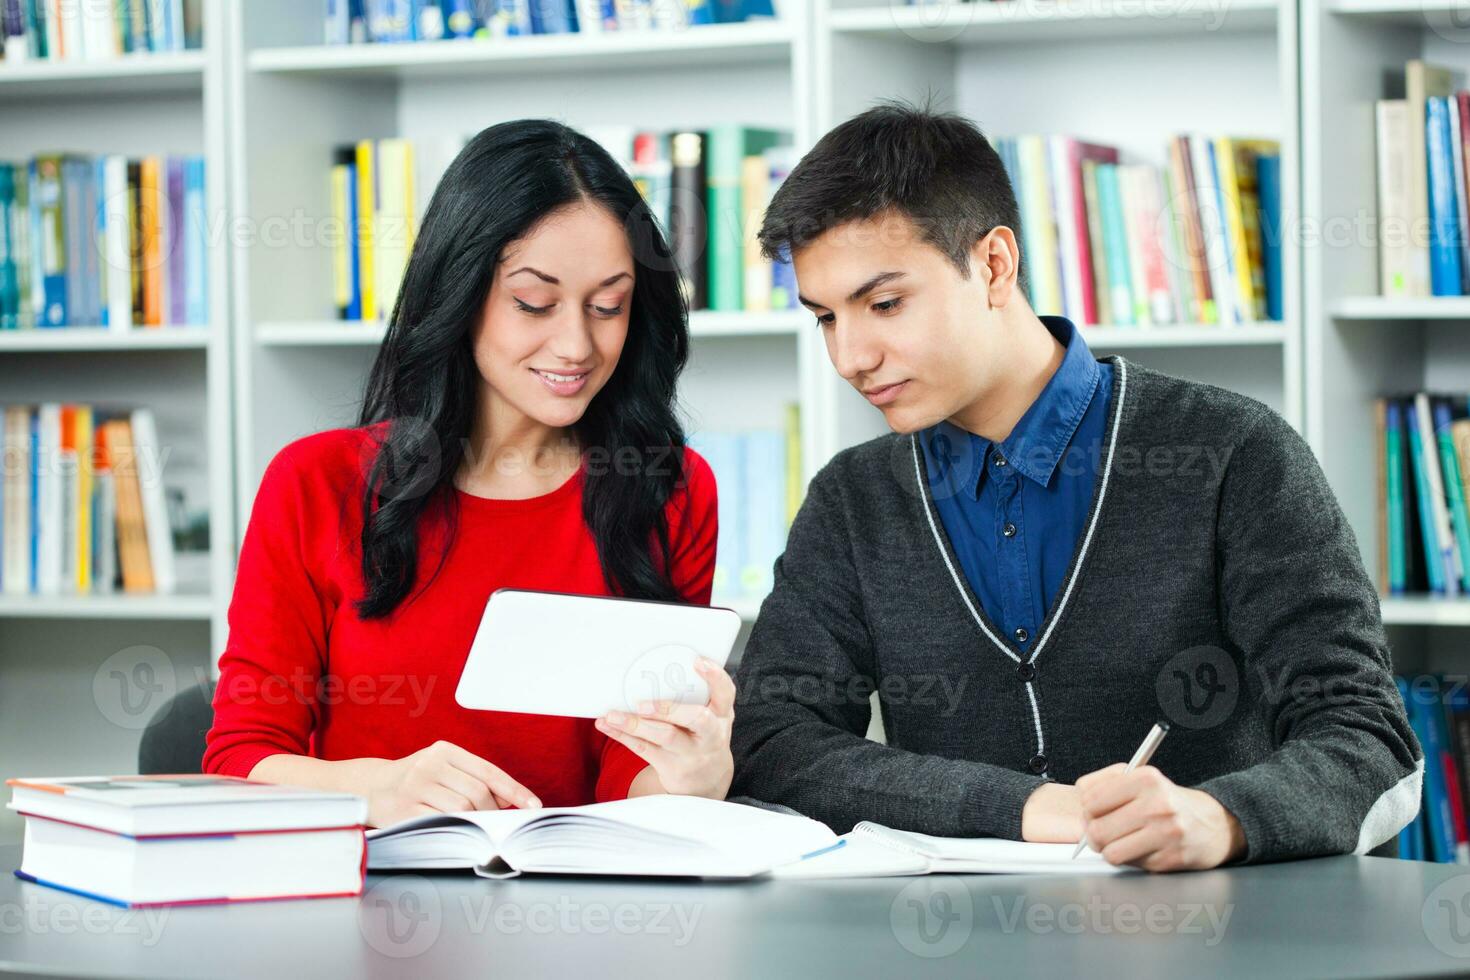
<point>1095,70</point>
<point>54,649</point>
<point>298,370</point>
<point>1360,345</point>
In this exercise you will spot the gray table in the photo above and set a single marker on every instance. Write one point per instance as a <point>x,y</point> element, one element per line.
<point>1344,917</point>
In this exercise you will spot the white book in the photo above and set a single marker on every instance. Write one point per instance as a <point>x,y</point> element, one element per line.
<point>1394,259</point>
<point>116,225</point>
<point>1068,256</point>
<point>98,30</point>
<point>104,529</point>
<point>148,456</point>
<point>16,574</point>
<point>73,29</point>
<point>665,835</point>
<point>589,17</point>
<point>872,850</point>
<point>48,500</point>
<point>1447,550</point>
<point>1212,224</point>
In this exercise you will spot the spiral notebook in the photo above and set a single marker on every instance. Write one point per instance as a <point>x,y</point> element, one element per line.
<point>871,850</point>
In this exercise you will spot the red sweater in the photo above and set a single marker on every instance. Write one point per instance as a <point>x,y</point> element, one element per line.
<point>303,674</point>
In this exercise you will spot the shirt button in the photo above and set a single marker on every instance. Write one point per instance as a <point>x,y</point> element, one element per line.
<point>1000,460</point>
<point>1021,635</point>
<point>1009,530</point>
<point>1026,671</point>
<point>1037,764</point>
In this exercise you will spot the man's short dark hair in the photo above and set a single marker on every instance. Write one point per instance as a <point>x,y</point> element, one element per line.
<point>936,168</point>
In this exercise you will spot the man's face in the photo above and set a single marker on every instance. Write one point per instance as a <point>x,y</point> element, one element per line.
<point>902,325</point>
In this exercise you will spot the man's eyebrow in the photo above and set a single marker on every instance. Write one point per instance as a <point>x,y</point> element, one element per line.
<point>556,282</point>
<point>859,292</point>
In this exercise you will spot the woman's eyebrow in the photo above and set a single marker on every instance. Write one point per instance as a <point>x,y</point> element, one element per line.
<point>557,282</point>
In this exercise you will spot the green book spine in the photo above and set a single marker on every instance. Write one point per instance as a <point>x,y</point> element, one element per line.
<point>1454,490</point>
<point>725,152</point>
<point>1393,439</point>
<point>1120,295</point>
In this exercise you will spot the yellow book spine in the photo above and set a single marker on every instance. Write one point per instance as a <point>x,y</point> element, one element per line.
<point>367,217</point>
<point>84,499</point>
<point>795,485</point>
<point>1240,256</point>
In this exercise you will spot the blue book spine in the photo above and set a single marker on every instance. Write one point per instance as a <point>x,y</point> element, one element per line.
<point>10,270</point>
<point>97,269</point>
<point>336,23</point>
<point>1407,836</point>
<point>1436,800</point>
<point>389,21</point>
<point>196,244</point>
<point>1268,180</point>
<point>765,501</point>
<point>459,18</point>
<point>1444,221</point>
<point>699,12</point>
<point>512,18</point>
<point>1426,509</point>
<point>783,284</point>
<point>1398,537</point>
<point>354,304</point>
<point>551,16</point>
<point>720,451</point>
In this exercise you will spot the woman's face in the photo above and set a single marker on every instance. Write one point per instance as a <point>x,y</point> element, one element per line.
<point>556,316</point>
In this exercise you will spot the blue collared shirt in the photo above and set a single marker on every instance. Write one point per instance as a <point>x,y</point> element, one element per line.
<point>1015,511</point>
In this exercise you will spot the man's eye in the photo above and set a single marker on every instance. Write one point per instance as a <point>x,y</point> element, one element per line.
<point>826,319</point>
<point>888,305</point>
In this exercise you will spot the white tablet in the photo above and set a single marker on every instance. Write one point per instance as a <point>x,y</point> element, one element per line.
<point>550,653</point>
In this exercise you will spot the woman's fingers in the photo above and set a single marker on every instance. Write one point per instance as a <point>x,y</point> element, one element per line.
<point>699,719</point>
<point>508,791</point>
<point>481,797</point>
<point>721,687</point>
<point>444,799</point>
<point>660,733</point>
<point>642,748</point>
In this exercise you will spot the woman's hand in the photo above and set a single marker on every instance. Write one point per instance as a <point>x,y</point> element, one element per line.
<point>442,778</point>
<point>687,745</point>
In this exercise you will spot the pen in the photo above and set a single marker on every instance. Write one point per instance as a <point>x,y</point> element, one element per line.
<point>1140,758</point>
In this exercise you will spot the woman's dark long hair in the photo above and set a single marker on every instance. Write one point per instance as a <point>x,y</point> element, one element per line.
<point>424,380</point>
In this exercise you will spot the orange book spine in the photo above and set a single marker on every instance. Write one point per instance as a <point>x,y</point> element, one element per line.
<point>132,540</point>
<point>153,258</point>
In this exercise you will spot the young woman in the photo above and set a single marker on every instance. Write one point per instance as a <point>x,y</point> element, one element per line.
<point>518,431</point>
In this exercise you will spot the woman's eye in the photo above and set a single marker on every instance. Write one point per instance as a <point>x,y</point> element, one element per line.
<point>888,305</point>
<point>608,311</point>
<point>525,307</point>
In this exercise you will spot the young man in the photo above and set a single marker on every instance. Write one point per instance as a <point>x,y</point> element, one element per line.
<point>1051,553</point>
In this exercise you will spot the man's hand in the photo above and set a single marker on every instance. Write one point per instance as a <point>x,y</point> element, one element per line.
<point>1142,818</point>
<point>1052,814</point>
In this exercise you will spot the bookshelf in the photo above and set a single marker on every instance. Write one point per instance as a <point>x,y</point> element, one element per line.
<point>1360,345</point>
<point>55,651</point>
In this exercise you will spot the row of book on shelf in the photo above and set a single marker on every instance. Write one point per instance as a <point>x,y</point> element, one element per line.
<point>96,30</point>
<point>708,189</point>
<point>1126,244</point>
<point>103,241</point>
<point>1423,522</point>
<point>758,472</point>
<point>1422,138</point>
<point>1439,713</point>
<point>397,21</point>
<point>83,503</point>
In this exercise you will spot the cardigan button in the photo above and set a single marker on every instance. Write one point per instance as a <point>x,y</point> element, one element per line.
<point>1037,764</point>
<point>1009,530</point>
<point>1021,635</point>
<point>1026,671</point>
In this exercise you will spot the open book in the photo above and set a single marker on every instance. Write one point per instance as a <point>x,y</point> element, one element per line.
<point>872,850</point>
<point>649,835</point>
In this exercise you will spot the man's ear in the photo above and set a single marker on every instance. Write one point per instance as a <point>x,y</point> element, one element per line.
<point>996,259</point>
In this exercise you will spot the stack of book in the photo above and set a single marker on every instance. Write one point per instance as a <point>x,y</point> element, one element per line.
<point>1105,242</point>
<point>170,840</point>
<point>1423,185</point>
<point>1423,526</point>
<point>1439,713</point>
<point>759,476</point>
<point>103,242</point>
<point>83,504</point>
<point>73,30</point>
<point>707,190</point>
<point>398,21</point>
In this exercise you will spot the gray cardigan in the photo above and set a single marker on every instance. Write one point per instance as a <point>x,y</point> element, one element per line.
<point>1216,585</point>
